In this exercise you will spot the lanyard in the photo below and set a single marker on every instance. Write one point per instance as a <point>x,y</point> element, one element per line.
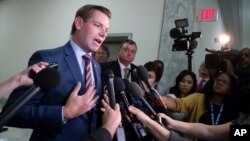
<point>212,113</point>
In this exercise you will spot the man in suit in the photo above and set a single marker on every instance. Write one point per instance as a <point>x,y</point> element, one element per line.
<point>60,114</point>
<point>203,77</point>
<point>123,66</point>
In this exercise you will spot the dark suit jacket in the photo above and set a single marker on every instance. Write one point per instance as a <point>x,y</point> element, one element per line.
<point>43,112</point>
<point>115,67</point>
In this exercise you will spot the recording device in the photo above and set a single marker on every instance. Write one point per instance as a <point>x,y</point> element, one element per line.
<point>32,74</point>
<point>45,80</point>
<point>152,93</point>
<point>136,126</point>
<point>182,40</point>
<point>120,89</point>
<point>215,59</point>
<point>109,77</point>
<point>136,92</point>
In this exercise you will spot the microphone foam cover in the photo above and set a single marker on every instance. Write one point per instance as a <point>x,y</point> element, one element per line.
<point>108,74</point>
<point>135,90</point>
<point>47,78</point>
<point>119,85</point>
<point>142,73</point>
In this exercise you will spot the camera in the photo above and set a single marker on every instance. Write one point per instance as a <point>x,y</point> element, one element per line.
<point>183,41</point>
<point>215,59</point>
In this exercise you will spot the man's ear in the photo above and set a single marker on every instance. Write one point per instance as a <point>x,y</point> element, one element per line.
<point>78,22</point>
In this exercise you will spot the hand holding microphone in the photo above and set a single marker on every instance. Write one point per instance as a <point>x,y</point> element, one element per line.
<point>142,74</point>
<point>136,91</point>
<point>45,80</point>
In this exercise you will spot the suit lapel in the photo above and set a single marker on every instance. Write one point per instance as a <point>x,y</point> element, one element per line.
<point>117,69</point>
<point>71,61</point>
<point>97,72</point>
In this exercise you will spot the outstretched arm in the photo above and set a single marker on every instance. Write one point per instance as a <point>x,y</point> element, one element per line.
<point>198,130</point>
<point>20,79</point>
<point>161,133</point>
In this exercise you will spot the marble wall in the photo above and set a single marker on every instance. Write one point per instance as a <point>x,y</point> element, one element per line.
<point>174,61</point>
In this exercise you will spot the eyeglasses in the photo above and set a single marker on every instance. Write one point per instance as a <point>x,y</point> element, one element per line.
<point>225,82</point>
<point>102,53</point>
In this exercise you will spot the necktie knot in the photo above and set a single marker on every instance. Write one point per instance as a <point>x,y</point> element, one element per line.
<point>86,57</point>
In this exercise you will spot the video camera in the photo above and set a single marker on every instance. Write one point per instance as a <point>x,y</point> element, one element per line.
<point>215,59</point>
<point>183,41</point>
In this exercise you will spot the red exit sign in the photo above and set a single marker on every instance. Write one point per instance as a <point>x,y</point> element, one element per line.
<point>206,15</point>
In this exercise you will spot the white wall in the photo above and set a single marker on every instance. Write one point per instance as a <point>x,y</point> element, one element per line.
<point>30,25</point>
<point>209,30</point>
<point>245,23</point>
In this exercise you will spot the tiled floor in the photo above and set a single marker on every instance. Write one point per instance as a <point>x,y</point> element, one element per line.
<point>14,134</point>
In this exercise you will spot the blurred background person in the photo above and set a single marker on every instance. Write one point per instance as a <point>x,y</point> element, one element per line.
<point>203,77</point>
<point>154,75</point>
<point>185,84</point>
<point>214,106</point>
<point>102,54</point>
<point>242,71</point>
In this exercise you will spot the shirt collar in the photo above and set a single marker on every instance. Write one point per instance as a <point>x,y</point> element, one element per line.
<point>122,66</point>
<point>79,52</point>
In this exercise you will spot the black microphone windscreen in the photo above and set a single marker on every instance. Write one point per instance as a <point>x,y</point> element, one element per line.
<point>108,74</point>
<point>47,78</point>
<point>135,90</point>
<point>119,85</point>
<point>142,73</point>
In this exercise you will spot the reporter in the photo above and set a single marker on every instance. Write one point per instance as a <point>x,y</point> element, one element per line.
<point>198,130</point>
<point>20,79</point>
<point>160,132</point>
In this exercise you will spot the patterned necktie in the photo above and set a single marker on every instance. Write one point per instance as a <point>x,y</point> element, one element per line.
<point>126,73</point>
<point>87,70</point>
<point>200,86</point>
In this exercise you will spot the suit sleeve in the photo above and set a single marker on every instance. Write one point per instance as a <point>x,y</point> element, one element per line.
<point>34,114</point>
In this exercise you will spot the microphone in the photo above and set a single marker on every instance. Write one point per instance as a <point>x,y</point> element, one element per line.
<point>109,77</point>
<point>136,126</point>
<point>45,80</point>
<point>142,74</point>
<point>121,88</point>
<point>136,92</point>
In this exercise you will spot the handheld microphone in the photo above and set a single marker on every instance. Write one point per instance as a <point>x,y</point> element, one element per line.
<point>121,88</point>
<point>136,92</point>
<point>45,80</point>
<point>143,76</point>
<point>109,77</point>
<point>136,126</point>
